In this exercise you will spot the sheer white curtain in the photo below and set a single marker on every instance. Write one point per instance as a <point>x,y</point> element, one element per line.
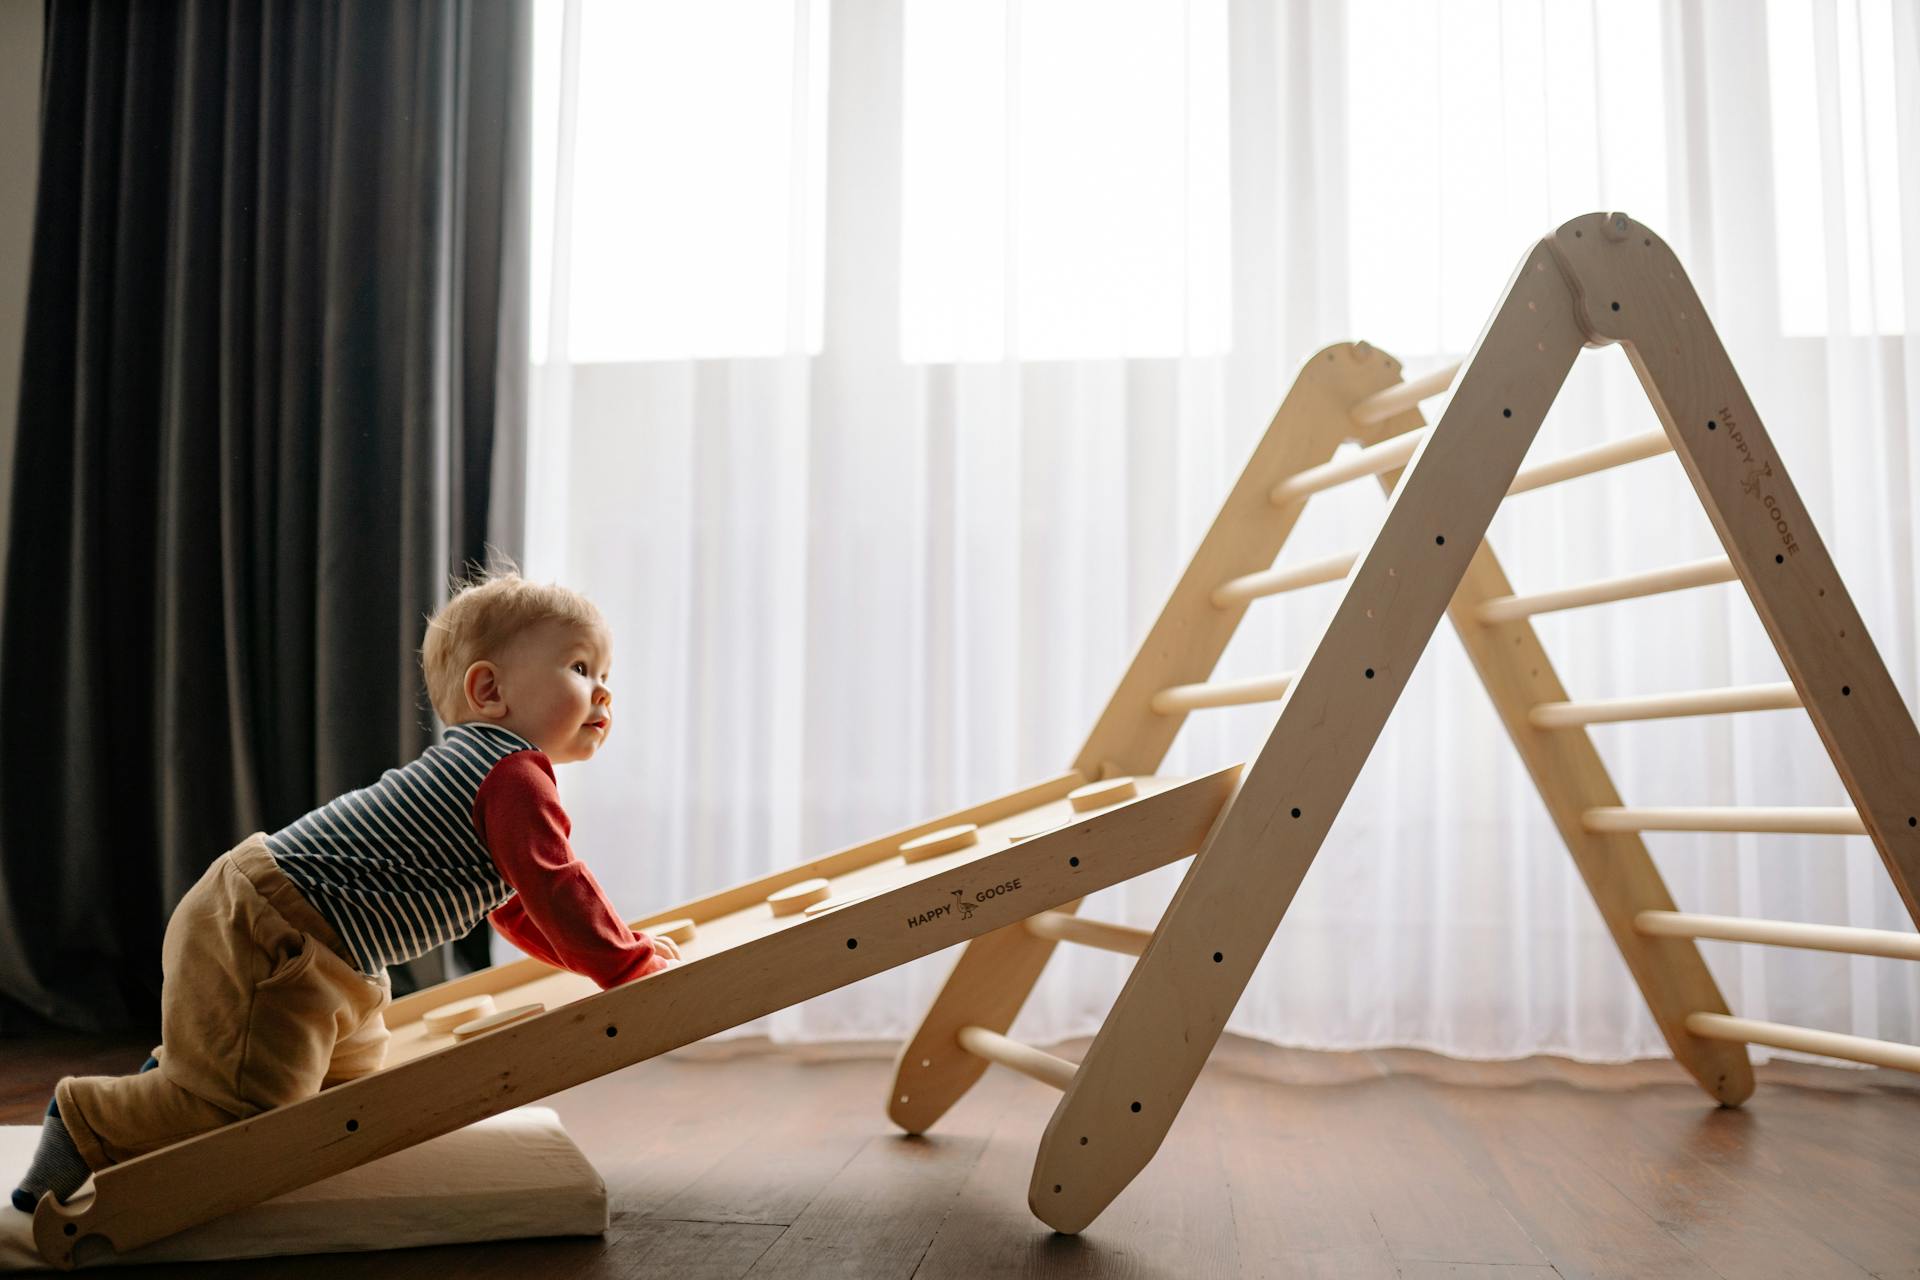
<point>894,355</point>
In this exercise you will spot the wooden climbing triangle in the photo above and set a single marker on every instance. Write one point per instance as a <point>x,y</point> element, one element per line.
<point>1006,876</point>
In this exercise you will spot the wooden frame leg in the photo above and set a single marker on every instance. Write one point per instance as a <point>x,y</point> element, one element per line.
<point>1618,871</point>
<point>996,973</point>
<point>994,976</point>
<point>1143,1063</point>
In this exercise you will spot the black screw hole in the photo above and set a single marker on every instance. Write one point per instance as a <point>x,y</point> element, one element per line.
<point>852,943</point>
<point>1073,862</point>
<point>1913,822</point>
<point>1217,957</point>
<point>1506,413</point>
<point>1576,235</point>
<point>71,1228</point>
<point>1056,1188</point>
<point>1779,559</point>
<point>1712,425</point>
<point>1440,540</point>
<point>1369,673</point>
<point>1083,1142</point>
<point>1616,306</point>
<point>612,1032</point>
<point>352,1126</point>
<point>1648,243</point>
<point>1296,813</point>
<point>1136,1106</point>
<point>1846,690</point>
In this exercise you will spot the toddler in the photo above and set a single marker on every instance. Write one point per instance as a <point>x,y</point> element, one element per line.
<point>274,964</point>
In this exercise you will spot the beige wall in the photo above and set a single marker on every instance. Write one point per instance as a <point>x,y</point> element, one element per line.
<point>19,159</point>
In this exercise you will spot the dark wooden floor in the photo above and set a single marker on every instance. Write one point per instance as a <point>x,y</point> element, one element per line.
<point>738,1159</point>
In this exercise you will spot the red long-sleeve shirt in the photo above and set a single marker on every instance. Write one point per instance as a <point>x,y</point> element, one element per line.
<point>558,913</point>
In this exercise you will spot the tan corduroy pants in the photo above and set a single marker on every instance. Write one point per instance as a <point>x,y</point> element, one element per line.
<point>257,1009</point>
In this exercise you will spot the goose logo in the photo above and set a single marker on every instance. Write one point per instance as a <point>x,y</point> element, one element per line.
<point>1759,472</point>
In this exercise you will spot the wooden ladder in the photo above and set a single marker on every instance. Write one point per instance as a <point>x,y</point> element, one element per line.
<point>1599,279</point>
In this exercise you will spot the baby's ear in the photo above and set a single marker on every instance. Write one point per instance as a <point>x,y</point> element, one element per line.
<point>482,688</point>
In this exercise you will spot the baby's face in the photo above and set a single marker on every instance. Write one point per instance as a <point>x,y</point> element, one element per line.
<point>553,682</point>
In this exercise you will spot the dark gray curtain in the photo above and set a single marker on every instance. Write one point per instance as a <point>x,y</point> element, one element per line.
<point>272,381</point>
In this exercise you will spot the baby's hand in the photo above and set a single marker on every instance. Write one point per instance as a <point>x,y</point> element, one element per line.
<point>665,946</point>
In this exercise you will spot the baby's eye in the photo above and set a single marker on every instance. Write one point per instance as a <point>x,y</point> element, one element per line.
<point>581,667</point>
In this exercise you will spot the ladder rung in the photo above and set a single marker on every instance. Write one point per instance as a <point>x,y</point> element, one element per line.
<point>1333,568</point>
<point>1024,1058</point>
<point>1812,821</point>
<point>1587,461</point>
<point>1272,582</point>
<point>1704,702</point>
<point>1221,693</point>
<point>1891,943</point>
<point>1881,1053</point>
<point>1370,461</point>
<point>1678,577</point>
<point>1061,926</point>
<point>1402,396</point>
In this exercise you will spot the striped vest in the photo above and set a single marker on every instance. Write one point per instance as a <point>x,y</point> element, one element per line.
<point>397,868</point>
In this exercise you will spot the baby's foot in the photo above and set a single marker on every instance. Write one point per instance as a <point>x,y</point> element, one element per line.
<point>57,1166</point>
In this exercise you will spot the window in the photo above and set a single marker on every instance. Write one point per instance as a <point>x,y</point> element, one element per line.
<point>681,181</point>
<point>1832,88</point>
<point>1065,179</point>
<point>1450,109</point>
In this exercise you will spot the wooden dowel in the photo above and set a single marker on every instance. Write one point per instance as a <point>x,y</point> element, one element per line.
<point>1704,702</point>
<point>1587,461</point>
<point>1024,1058</point>
<point>1697,573</point>
<point>1221,693</point>
<point>1272,582</point>
<point>1398,450</point>
<point>1812,821</point>
<point>1891,943</point>
<point>1881,1053</point>
<point>1061,927</point>
<point>1402,396</point>
<point>1370,461</point>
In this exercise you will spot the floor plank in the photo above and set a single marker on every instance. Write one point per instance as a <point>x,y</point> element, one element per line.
<point>740,1158</point>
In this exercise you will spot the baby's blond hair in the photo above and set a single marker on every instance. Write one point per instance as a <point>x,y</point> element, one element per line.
<point>481,618</point>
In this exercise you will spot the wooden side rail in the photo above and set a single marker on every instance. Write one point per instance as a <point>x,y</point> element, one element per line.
<point>1143,1062</point>
<point>1659,706</point>
<point>1785,821</point>
<point>995,973</point>
<point>1889,943</point>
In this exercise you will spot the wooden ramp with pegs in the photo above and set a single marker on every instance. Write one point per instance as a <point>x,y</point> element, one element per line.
<point>1006,876</point>
<point>1600,279</point>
